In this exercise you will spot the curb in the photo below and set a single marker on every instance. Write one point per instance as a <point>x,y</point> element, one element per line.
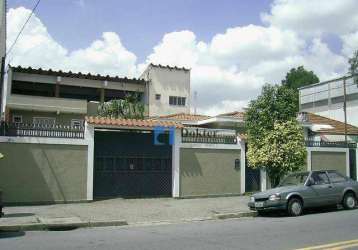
<point>60,226</point>
<point>224,216</point>
<point>112,223</point>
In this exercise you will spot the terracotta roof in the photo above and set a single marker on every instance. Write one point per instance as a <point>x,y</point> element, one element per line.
<point>145,123</point>
<point>61,73</point>
<point>185,117</point>
<point>338,127</point>
<point>235,114</point>
<point>168,67</point>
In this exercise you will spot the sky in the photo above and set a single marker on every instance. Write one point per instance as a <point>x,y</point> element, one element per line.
<point>232,47</point>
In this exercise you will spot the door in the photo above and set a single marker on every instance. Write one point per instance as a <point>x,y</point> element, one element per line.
<point>338,182</point>
<point>322,189</point>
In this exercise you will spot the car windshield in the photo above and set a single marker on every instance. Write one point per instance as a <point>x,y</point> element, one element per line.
<point>294,179</point>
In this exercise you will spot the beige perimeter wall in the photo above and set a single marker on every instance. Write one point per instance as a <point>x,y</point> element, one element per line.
<point>43,173</point>
<point>329,161</point>
<point>208,172</point>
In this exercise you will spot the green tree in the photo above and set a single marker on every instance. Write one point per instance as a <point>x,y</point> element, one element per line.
<point>128,108</point>
<point>276,103</point>
<point>280,150</point>
<point>271,125</point>
<point>299,77</point>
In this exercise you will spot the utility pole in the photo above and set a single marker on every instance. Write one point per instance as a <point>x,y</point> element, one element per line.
<point>2,73</point>
<point>345,109</point>
<point>2,48</point>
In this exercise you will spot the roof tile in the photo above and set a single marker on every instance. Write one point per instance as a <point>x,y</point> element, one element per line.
<point>135,123</point>
<point>70,74</point>
<point>185,117</point>
<point>338,127</point>
<point>235,114</point>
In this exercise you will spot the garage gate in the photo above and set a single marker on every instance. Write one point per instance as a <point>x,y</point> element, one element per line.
<point>128,164</point>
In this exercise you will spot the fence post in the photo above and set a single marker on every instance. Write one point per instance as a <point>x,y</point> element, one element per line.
<point>89,136</point>
<point>242,165</point>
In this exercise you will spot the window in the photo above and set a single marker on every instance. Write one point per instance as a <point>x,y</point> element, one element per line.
<point>336,177</point>
<point>183,101</point>
<point>157,97</point>
<point>17,119</point>
<point>177,100</point>
<point>44,120</point>
<point>320,178</point>
<point>76,123</point>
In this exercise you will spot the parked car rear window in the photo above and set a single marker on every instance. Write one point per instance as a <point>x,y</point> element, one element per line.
<point>336,177</point>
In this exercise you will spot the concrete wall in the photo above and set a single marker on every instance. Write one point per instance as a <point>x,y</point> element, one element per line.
<point>321,160</point>
<point>47,104</point>
<point>166,82</point>
<point>43,173</point>
<point>209,172</point>
<point>63,119</point>
<point>126,86</point>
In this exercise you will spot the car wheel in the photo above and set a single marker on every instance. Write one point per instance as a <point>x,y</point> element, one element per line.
<point>294,207</point>
<point>349,201</point>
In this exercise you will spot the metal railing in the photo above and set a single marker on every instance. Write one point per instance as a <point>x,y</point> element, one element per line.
<point>210,136</point>
<point>41,130</point>
<point>331,144</point>
<point>210,140</point>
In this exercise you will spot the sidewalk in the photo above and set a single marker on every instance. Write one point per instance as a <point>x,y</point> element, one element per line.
<point>115,212</point>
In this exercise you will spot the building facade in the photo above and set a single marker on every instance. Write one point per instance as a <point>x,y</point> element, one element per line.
<point>70,154</point>
<point>168,90</point>
<point>327,99</point>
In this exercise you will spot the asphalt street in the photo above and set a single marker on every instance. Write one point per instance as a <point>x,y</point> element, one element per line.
<point>332,229</point>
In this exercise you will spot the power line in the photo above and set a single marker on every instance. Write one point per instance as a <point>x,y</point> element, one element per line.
<point>22,28</point>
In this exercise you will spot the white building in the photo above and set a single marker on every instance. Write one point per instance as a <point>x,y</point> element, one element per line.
<point>327,99</point>
<point>168,90</point>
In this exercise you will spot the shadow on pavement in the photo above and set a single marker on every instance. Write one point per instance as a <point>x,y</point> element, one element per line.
<point>310,211</point>
<point>8,234</point>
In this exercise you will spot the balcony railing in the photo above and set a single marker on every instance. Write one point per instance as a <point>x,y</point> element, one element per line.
<point>331,144</point>
<point>40,130</point>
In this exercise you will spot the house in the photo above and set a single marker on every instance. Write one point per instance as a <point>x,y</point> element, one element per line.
<point>69,154</point>
<point>327,99</point>
<point>326,145</point>
<point>48,97</point>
